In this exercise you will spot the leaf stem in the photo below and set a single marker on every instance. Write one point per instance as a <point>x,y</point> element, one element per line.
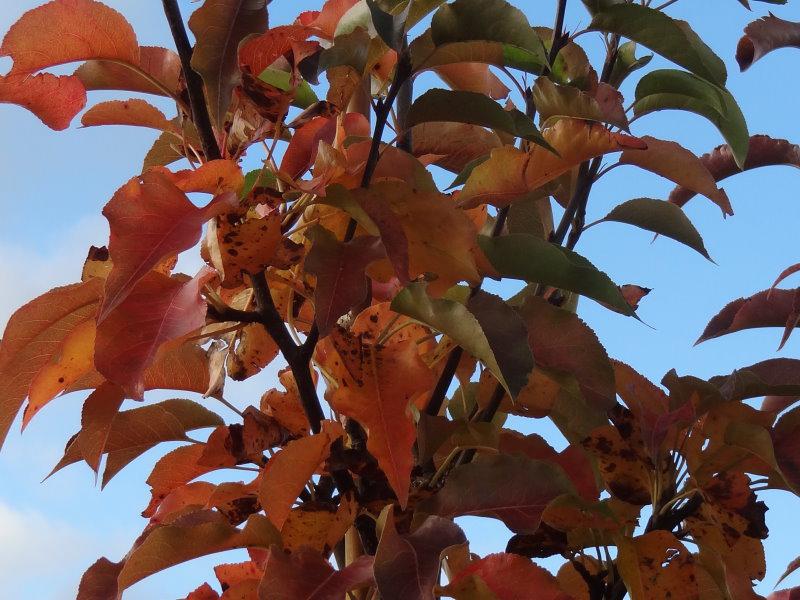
<point>194,83</point>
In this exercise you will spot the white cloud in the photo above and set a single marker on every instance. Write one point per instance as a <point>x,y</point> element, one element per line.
<point>27,270</point>
<point>39,553</point>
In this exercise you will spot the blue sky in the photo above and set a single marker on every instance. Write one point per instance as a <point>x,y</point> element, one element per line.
<point>55,184</point>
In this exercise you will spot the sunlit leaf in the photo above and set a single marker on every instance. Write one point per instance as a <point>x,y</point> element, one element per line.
<point>55,100</point>
<point>161,68</point>
<point>137,113</point>
<point>657,565</point>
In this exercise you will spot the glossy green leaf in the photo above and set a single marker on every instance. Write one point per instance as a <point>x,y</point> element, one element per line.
<point>304,96</point>
<point>672,39</point>
<point>659,217</point>
<point>473,108</point>
<point>627,63</point>
<point>530,258</point>
<point>465,328</point>
<point>677,90</point>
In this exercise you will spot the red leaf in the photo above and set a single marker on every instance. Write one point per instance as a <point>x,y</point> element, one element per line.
<point>99,582</point>
<point>770,308</point>
<point>55,100</point>
<point>506,575</point>
<point>763,36</point>
<point>407,566</point>
<point>786,273</point>
<point>305,575</point>
<point>157,310</point>
<point>339,267</point>
<point>763,151</point>
<point>259,52</point>
<point>302,150</point>
<point>137,113</point>
<point>150,219</point>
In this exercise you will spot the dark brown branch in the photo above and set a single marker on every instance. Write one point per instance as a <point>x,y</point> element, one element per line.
<point>194,83</point>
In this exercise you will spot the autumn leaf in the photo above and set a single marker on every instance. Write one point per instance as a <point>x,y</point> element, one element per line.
<point>259,52</point>
<point>157,72</point>
<point>55,100</point>
<point>764,36</point>
<point>290,469</point>
<point>721,163</point>
<point>473,77</point>
<point>510,173</point>
<point>407,566</point>
<point>657,565</point>
<point>285,407</point>
<point>170,545</point>
<point>173,470</point>
<point>99,582</point>
<point>339,267</point>
<point>157,310</point>
<point>318,525</point>
<point>590,366</point>
<point>770,308</point>
<point>150,219</point>
<point>305,575</point>
<point>100,410</point>
<point>785,441</point>
<point>382,383</point>
<point>513,489</point>
<point>674,162</point>
<point>503,576</point>
<point>34,335</point>
<point>75,359</point>
<point>134,112</point>
<point>219,27</point>
<point>455,145</point>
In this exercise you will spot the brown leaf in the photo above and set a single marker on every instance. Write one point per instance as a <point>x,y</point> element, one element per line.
<point>763,36</point>
<point>763,151</point>
<point>657,565</point>
<point>676,163</point>
<point>252,350</point>
<point>34,335</point>
<point>339,268</point>
<point>770,308</point>
<point>503,576</point>
<point>513,489</point>
<point>99,582</point>
<point>305,575</point>
<point>562,342</point>
<point>407,566</point>
<point>454,144</point>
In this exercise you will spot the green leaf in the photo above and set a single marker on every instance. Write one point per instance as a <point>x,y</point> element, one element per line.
<point>457,322</point>
<point>304,96</point>
<point>390,27</point>
<point>672,39</point>
<point>486,31</point>
<point>257,178</point>
<point>530,258</point>
<point>659,217</point>
<point>627,63</point>
<point>677,90</point>
<point>475,109</point>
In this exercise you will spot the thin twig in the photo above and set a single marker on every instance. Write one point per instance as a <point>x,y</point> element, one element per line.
<point>194,83</point>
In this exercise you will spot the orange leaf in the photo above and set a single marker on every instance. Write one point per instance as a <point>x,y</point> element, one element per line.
<point>97,421</point>
<point>285,407</point>
<point>150,219</point>
<point>511,173</point>
<point>134,112</point>
<point>473,77</point>
<point>55,100</point>
<point>35,334</point>
<point>75,358</point>
<point>64,31</point>
<point>383,381</point>
<point>213,177</point>
<point>157,310</point>
<point>259,52</point>
<point>230,575</point>
<point>160,64</point>
<point>290,469</point>
<point>317,527</point>
<point>189,496</point>
<point>173,470</point>
<point>204,592</point>
<point>326,20</point>
<point>657,565</point>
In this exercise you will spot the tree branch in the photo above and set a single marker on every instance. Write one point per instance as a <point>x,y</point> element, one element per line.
<point>194,83</point>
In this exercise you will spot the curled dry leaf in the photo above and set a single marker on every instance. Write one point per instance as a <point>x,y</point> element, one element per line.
<point>763,36</point>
